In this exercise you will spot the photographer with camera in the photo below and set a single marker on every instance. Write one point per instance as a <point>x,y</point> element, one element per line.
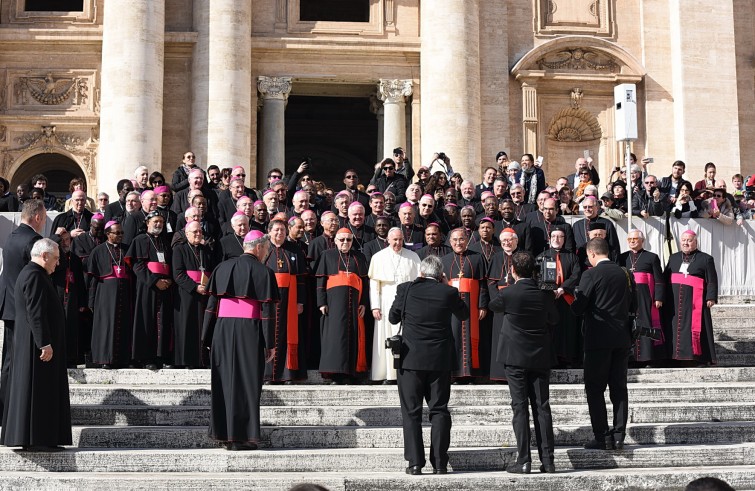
<point>424,308</point>
<point>605,299</point>
<point>651,202</point>
<point>525,348</point>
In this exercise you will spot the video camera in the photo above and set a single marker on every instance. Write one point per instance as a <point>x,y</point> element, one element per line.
<point>648,332</point>
<point>393,343</point>
<point>546,273</point>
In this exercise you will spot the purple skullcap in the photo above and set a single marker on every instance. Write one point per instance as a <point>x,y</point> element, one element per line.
<point>239,214</point>
<point>487,219</point>
<point>343,193</point>
<point>376,193</point>
<point>259,202</point>
<point>189,223</point>
<point>98,216</point>
<point>110,224</point>
<point>162,189</point>
<point>486,194</point>
<point>322,217</point>
<point>433,224</point>
<point>689,231</point>
<point>452,204</point>
<point>267,191</point>
<point>293,218</point>
<point>405,204</point>
<point>141,195</point>
<point>427,196</point>
<point>253,235</point>
<point>354,204</point>
<point>235,168</point>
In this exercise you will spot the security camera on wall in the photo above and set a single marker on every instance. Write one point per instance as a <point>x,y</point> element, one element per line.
<point>625,99</point>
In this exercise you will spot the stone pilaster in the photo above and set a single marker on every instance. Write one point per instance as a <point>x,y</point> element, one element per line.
<point>450,78</point>
<point>529,118</point>
<point>272,147</point>
<point>131,117</point>
<point>393,93</point>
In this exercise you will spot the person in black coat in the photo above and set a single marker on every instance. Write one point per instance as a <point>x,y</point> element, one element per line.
<point>525,349</point>
<point>16,253</point>
<point>424,307</point>
<point>605,299</point>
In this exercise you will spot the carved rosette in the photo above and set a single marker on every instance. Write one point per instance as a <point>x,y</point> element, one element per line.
<point>394,91</point>
<point>276,88</point>
<point>574,125</point>
<point>578,59</point>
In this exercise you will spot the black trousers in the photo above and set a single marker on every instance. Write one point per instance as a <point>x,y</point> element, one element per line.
<point>607,367</point>
<point>414,386</point>
<point>531,386</point>
<point>6,361</point>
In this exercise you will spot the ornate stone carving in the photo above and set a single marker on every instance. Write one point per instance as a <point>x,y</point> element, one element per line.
<point>576,97</point>
<point>578,59</point>
<point>3,133</point>
<point>3,94</point>
<point>47,139</point>
<point>274,87</point>
<point>375,104</point>
<point>394,91</point>
<point>50,91</point>
<point>574,125</point>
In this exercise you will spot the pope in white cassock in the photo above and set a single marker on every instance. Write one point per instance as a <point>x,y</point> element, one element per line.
<point>388,269</point>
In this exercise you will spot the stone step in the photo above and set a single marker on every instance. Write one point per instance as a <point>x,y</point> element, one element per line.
<point>391,416</point>
<point>140,377</point>
<point>735,347</point>
<point>390,437</point>
<point>736,360</point>
<point>655,479</point>
<point>482,395</point>
<point>218,460</point>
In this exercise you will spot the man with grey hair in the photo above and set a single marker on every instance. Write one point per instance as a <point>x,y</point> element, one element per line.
<point>389,268</point>
<point>38,409</point>
<point>16,253</point>
<point>141,175</point>
<point>240,309</point>
<point>425,308</point>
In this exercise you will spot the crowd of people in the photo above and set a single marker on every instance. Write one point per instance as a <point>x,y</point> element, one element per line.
<point>170,269</point>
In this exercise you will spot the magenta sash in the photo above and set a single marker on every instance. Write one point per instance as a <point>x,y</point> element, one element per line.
<point>158,268</point>
<point>115,275</point>
<point>697,306</point>
<point>196,276</point>
<point>655,316</point>
<point>240,308</point>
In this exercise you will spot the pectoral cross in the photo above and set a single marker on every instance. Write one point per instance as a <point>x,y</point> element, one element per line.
<point>201,269</point>
<point>461,274</point>
<point>117,270</point>
<point>280,263</point>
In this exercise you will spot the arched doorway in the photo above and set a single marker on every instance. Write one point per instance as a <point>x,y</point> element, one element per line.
<point>58,168</point>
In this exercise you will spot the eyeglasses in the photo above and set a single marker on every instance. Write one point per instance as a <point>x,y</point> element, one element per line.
<point>115,233</point>
<point>344,240</point>
<point>649,182</point>
<point>389,168</point>
<point>422,172</point>
<point>516,193</point>
<point>351,177</point>
<point>239,175</point>
<point>424,205</point>
<point>278,177</point>
<point>622,172</point>
<point>189,157</point>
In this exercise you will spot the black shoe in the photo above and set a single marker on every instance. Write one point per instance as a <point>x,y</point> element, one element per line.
<point>238,446</point>
<point>42,448</point>
<point>168,367</point>
<point>414,470</point>
<point>606,443</point>
<point>150,366</point>
<point>548,467</point>
<point>618,443</point>
<point>442,470</point>
<point>106,366</point>
<point>525,468</point>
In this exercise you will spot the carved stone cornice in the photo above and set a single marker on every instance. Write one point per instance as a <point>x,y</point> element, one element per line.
<point>47,139</point>
<point>50,91</point>
<point>574,125</point>
<point>578,59</point>
<point>394,91</point>
<point>276,88</point>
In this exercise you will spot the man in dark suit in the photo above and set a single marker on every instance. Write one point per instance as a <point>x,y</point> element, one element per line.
<point>525,348</point>
<point>424,307</point>
<point>605,299</point>
<point>16,254</point>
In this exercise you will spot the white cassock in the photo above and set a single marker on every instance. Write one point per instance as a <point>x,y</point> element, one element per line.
<point>388,270</point>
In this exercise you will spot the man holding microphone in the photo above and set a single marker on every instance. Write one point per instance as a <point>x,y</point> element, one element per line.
<point>427,355</point>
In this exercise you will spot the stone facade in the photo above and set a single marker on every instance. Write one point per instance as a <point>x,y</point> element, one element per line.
<point>141,81</point>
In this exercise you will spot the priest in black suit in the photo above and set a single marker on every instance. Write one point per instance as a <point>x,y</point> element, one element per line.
<point>525,348</point>
<point>425,308</point>
<point>605,298</point>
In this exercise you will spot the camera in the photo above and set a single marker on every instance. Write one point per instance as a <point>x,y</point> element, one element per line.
<point>546,273</point>
<point>644,331</point>
<point>393,343</point>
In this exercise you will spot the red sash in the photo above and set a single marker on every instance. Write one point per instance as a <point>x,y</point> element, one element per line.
<point>158,268</point>
<point>115,275</point>
<point>288,280</point>
<point>697,285</point>
<point>472,286</point>
<point>239,308</point>
<point>568,297</point>
<point>655,316</point>
<point>342,278</point>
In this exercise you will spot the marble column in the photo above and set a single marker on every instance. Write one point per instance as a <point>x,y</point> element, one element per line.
<point>376,108</point>
<point>393,93</point>
<point>272,146</point>
<point>229,84</point>
<point>450,79</point>
<point>131,115</point>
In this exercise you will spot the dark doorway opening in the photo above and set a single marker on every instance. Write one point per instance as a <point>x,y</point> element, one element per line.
<point>54,5</point>
<point>334,10</point>
<point>338,133</point>
<point>57,168</point>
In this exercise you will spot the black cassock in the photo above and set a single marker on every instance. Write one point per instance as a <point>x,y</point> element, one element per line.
<point>689,328</point>
<point>239,311</point>
<point>651,287</point>
<point>343,285</point>
<point>152,337</point>
<point>190,263</point>
<point>68,279</point>
<point>290,266</point>
<point>38,409</point>
<point>499,277</point>
<point>471,352</point>
<point>373,247</point>
<point>440,250</point>
<point>567,342</point>
<point>82,246</point>
<point>111,301</point>
<point>232,246</point>
<point>320,244</point>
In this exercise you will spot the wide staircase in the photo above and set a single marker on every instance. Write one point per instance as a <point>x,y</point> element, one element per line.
<point>137,429</point>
